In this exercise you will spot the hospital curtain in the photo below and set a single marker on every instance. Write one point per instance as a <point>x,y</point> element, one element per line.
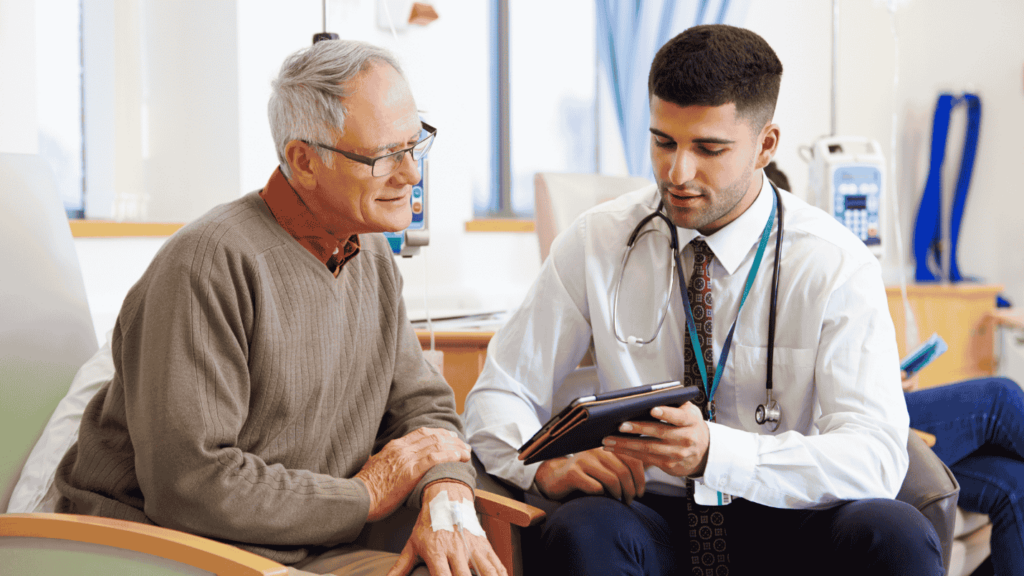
<point>629,33</point>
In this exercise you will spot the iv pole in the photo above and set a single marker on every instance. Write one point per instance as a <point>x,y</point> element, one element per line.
<point>325,35</point>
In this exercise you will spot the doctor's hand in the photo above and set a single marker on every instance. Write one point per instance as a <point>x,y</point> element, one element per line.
<point>678,445</point>
<point>391,474</point>
<point>443,551</point>
<point>592,472</point>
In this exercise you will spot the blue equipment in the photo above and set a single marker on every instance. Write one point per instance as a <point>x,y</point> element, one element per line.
<point>407,243</point>
<point>928,248</point>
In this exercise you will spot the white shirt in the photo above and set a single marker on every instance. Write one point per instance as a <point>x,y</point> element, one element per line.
<point>843,432</point>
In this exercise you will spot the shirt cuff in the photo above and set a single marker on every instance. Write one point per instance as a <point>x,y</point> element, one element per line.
<point>731,457</point>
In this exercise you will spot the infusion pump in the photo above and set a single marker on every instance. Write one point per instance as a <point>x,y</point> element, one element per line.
<point>847,179</point>
<point>407,243</point>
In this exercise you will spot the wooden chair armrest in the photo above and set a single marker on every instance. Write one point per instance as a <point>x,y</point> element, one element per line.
<point>507,509</point>
<point>1006,317</point>
<point>206,554</point>
<point>498,515</point>
<point>929,439</point>
<point>202,553</point>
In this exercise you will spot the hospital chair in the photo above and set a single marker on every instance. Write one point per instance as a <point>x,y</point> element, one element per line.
<point>560,197</point>
<point>929,485</point>
<point>46,334</point>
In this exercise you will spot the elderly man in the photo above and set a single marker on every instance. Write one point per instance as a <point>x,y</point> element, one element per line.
<point>269,390</point>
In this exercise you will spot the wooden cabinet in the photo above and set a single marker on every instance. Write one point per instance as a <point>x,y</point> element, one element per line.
<point>962,314</point>
<point>464,354</point>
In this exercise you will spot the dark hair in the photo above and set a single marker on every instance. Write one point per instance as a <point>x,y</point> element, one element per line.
<point>777,176</point>
<point>715,64</point>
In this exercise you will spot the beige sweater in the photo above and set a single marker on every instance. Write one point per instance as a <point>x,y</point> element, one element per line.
<point>251,386</point>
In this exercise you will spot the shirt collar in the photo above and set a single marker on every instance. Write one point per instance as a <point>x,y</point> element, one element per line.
<point>295,217</point>
<point>734,241</point>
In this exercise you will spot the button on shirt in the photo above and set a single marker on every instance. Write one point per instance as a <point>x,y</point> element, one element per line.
<point>844,425</point>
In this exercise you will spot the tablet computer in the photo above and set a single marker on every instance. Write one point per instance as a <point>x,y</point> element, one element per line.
<point>587,420</point>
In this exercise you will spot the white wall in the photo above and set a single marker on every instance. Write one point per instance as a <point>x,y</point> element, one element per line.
<point>19,132</point>
<point>264,40</point>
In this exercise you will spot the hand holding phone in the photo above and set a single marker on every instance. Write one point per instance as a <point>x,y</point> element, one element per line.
<point>923,356</point>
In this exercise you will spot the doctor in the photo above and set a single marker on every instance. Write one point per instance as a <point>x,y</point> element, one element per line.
<point>814,493</point>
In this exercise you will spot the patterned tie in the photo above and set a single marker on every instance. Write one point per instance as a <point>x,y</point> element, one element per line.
<point>699,292</point>
<point>709,555</point>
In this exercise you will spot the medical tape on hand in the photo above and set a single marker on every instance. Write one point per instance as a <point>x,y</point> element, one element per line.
<point>446,515</point>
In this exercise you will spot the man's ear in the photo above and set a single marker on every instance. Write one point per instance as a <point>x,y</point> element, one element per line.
<point>768,142</point>
<point>301,158</point>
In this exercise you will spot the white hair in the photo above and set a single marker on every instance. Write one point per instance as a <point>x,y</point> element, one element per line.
<point>306,100</point>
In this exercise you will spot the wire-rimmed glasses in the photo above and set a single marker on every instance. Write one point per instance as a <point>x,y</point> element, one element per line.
<point>387,164</point>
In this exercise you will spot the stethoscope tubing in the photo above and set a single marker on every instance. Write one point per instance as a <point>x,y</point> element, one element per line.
<point>775,295</point>
<point>767,413</point>
<point>633,340</point>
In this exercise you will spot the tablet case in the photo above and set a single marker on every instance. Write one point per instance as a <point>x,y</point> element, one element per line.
<point>584,423</point>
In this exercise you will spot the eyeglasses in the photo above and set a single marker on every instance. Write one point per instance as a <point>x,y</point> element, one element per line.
<point>387,164</point>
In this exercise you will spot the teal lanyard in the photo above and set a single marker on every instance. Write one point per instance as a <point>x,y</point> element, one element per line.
<point>692,327</point>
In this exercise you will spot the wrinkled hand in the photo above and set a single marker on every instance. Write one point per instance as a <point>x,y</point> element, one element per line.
<point>443,552</point>
<point>391,474</point>
<point>679,446</point>
<point>592,472</point>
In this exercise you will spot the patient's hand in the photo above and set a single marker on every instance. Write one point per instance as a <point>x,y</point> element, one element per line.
<point>391,474</point>
<point>679,446</point>
<point>443,551</point>
<point>592,472</point>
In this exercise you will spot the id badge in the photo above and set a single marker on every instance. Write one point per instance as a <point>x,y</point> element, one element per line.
<point>708,496</point>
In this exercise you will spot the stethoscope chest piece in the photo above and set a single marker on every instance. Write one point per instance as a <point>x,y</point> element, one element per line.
<point>768,414</point>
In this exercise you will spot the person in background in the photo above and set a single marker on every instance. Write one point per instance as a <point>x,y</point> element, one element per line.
<point>979,433</point>
<point>269,390</point>
<point>814,496</point>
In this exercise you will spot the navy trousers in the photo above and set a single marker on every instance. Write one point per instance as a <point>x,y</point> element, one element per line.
<point>596,535</point>
<point>979,429</point>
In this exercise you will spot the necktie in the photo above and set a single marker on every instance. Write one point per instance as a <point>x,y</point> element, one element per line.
<point>699,293</point>
<point>709,555</point>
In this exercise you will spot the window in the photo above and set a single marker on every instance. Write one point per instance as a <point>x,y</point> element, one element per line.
<point>544,117</point>
<point>59,96</point>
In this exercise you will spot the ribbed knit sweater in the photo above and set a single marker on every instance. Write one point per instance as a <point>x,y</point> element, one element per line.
<point>250,386</point>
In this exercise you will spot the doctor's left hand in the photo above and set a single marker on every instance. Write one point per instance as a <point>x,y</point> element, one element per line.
<point>678,445</point>
<point>443,551</point>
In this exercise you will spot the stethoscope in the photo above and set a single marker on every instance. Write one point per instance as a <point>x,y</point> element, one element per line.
<point>767,414</point>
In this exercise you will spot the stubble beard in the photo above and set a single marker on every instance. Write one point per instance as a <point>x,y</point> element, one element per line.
<point>709,211</point>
